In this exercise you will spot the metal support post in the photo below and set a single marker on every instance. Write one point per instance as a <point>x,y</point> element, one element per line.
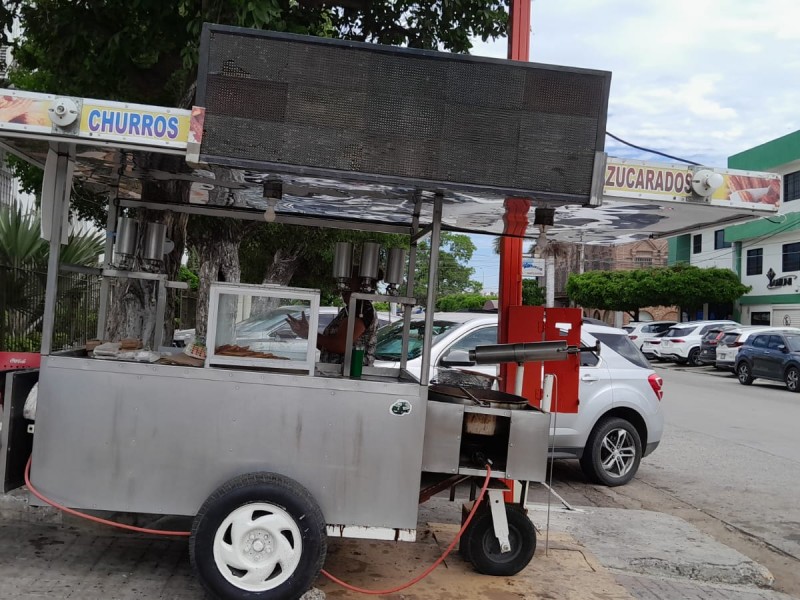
<point>56,189</point>
<point>410,279</point>
<point>111,228</point>
<point>433,274</point>
<point>499,519</point>
<point>161,308</point>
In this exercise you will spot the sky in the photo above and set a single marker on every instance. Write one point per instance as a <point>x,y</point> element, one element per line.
<point>698,79</point>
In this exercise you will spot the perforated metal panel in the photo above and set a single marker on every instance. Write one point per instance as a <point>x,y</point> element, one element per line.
<point>349,110</point>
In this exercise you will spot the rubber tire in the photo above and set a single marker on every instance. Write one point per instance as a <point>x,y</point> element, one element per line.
<point>694,354</point>
<point>796,379</point>
<point>744,373</point>
<point>590,462</point>
<point>483,549</point>
<point>249,488</point>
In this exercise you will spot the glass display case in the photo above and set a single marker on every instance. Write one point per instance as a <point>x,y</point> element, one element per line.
<point>248,326</point>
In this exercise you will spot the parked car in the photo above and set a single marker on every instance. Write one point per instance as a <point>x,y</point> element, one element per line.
<point>651,346</point>
<point>733,339</point>
<point>638,331</point>
<point>774,355</point>
<point>681,343</point>
<point>619,420</point>
<point>270,332</point>
<point>708,345</point>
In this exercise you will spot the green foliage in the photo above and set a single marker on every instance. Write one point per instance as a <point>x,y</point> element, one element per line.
<point>679,285</point>
<point>462,302</point>
<point>532,294</point>
<point>314,247</point>
<point>22,246</point>
<point>190,277</point>
<point>23,267</point>
<point>453,272</point>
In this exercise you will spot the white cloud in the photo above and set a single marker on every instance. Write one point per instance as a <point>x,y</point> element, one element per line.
<point>702,79</point>
<point>698,79</point>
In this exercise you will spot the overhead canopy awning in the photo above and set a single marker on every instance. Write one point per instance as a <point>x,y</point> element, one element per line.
<point>357,133</point>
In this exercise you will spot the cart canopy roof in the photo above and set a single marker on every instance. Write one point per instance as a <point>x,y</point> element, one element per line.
<point>325,132</point>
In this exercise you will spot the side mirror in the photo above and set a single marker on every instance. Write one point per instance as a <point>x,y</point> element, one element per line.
<point>783,349</point>
<point>457,358</point>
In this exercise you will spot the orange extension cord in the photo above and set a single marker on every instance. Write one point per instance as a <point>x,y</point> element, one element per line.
<point>353,588</point>
<point>76,513</point>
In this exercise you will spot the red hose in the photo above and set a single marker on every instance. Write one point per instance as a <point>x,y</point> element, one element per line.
<point>353,588</point>
<point>430,569</point>
<point>76,513</point>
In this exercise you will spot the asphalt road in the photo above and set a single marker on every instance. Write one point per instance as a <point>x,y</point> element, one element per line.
<point>733,450</point>
<point>729,463</point>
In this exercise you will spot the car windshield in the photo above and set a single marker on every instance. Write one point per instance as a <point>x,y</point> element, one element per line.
<point>390,338</point>
<point>729,338</point>
<point>622,345</point>
<point>674,332</point>
<point>629,329</point>
<point>273,323</point>
<point>793,342</point>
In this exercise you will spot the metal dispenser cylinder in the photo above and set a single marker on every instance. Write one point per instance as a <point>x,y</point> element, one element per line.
<point>125,246</point>
<point>395,266</point>
<point>153,243</point>
<point>342,261</point>
<point>519,353</point>
<point>370,254</point>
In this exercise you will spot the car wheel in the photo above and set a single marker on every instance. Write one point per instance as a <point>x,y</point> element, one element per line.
<point>260,536</point>
<point>694,354</point>
<point>483,549</point>
<point>792,379</point>
<point>743,373</point>
<point>612,453</point>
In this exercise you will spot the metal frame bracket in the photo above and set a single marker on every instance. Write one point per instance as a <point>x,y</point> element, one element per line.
<point>499,519</point>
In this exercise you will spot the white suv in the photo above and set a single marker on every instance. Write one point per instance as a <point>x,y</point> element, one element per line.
<point>639,331</point>
<point>681,343</point>
<point>619,420</point>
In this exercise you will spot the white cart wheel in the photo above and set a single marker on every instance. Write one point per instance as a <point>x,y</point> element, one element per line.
<point>258,547</point>
<point>260,536</point>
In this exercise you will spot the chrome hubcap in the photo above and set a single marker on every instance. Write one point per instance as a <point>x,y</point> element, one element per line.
<point>617,452</point>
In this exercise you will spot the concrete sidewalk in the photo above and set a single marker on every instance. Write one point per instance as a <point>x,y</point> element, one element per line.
<point>592,554</point>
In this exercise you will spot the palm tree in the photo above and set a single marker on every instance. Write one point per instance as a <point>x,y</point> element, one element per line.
<point>23,267</point>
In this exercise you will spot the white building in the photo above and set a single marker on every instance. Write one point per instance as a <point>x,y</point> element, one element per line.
<point>764,252</point>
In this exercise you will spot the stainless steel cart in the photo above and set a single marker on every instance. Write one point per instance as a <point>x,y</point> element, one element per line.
<point>269,462</point>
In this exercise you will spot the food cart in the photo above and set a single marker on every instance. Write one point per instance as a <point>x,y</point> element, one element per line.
<point>273,452</point>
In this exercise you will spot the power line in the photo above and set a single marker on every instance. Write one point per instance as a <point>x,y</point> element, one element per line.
<point>643,149</point>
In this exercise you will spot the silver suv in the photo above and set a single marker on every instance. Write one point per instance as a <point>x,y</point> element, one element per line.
<point>619,420</point>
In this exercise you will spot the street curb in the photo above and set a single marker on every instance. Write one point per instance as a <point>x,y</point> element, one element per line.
<point>661,545</point>
<point>16,506</point>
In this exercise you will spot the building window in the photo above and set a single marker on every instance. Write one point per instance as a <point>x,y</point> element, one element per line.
<point>719,240</point>
<point>791,186</point>
<point>643,260</point>
<point>759,318</point>
<point>755,261</point>
<point>697,243</point>
<point>791,257</point>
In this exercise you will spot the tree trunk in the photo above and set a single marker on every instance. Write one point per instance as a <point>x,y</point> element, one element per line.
<point>132,307</point>
<point>220,262</point>
<point>550,280</point>
<point>279,272</point>
<point>217,243</point>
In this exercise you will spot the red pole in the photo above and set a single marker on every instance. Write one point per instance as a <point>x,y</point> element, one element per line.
<point>510,283</point>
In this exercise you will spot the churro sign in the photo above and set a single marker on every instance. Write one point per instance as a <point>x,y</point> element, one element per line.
<point>125,122</point>
<point>647,181</point>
